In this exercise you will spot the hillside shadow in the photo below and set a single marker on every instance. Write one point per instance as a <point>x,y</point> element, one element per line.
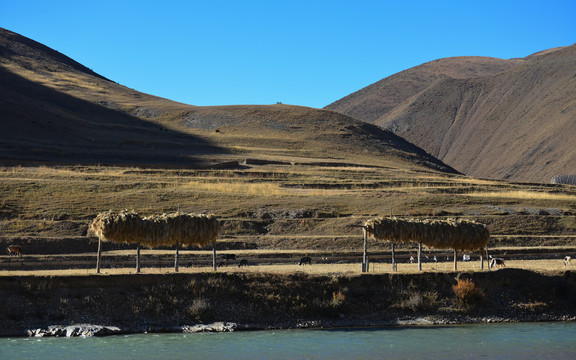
<point>40,124</point>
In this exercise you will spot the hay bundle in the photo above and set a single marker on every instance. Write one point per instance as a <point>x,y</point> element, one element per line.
<point>120,227</point>
<point>440,234</point>
<point>179,228</point>
<point>155,231</point>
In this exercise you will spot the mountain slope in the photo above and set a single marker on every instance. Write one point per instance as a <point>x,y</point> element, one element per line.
<point>50,110</point>
<point>515,125</point>
<point>376,100</point>
<point>54,109</point>
<point>513,120</point>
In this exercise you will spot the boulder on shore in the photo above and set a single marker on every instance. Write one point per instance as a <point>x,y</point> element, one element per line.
<point>77,330</point>
<point>214,327</point>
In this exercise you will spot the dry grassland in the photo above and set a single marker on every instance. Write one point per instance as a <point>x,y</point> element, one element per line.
<point>253,203</point>
<point>554,265</point>
<point>519,194</point>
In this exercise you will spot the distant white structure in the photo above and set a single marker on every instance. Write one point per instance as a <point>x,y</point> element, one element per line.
<point>564,179</point>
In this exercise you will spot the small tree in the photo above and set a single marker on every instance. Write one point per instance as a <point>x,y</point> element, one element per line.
<point>467,294</point>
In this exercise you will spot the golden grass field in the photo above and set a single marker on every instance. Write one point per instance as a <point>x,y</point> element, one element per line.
<point>44,204</point>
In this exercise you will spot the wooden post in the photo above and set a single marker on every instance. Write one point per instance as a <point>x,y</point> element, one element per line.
<point>455,260</point>
<point>365,255</point>
<point>214,256</point>
<point>99,256</point>
<point>393,259</point>
<point>176,260</point>
<point>420,256</point>
<point>137,259</point>
<point>481,260</point>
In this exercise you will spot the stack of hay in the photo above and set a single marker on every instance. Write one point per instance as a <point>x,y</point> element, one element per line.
<point>440,234</point>
<point>155,231</point>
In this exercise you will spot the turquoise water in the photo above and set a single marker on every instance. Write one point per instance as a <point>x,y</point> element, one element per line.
<point>485,341</point>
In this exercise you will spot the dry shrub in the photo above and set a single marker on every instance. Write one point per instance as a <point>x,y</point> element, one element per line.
<point>212,286</point>
<point>533,307</point>
<point>467,293</point>
<point>419,301</point>
<point>338,298</point>
<point>199,309</point>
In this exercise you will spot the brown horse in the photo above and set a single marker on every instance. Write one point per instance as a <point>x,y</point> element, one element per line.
<point>14,250</point>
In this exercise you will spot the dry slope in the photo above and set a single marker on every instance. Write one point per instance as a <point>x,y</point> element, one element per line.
<point>509,119</point>
<point>514,125</point>
<point>376,100</point>
<point>55,109</point>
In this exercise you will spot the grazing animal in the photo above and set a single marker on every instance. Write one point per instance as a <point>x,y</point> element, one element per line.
<point>411,259</point>
<point>225,258</point>
<point>14,250</point>
<point>243,262</point>
<point>567,260</point>
<point>305,260</point>
<point>494,262</point>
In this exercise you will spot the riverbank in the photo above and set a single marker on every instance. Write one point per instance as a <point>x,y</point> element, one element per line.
<point>251,301</point>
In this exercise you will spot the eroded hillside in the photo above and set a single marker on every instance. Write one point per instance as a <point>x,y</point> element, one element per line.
<point>506,119</point>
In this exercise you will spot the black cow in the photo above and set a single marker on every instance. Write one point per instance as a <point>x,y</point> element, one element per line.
<point>496,262</point>
<point>305,260</point>
<point>225,258</point>
<point>243,262</point>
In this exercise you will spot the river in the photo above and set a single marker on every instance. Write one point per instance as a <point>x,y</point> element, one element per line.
<point>478,341</point>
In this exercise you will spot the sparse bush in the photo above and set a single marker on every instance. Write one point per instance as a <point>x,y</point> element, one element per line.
<point>467,294</point>
<point>199,309</point>
<point>532,307</point>
<point>422,301</point>
<point>338,299</point>
<point>418,301</point>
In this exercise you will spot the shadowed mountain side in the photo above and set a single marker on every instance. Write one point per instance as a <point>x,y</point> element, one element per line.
<point>517,125</point>
<point>38,123</point>
<point>44,66</point>
<point>55,108</point>
<point>376,100</point>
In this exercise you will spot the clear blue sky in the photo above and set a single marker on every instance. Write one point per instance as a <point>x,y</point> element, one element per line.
<point>308,53</point>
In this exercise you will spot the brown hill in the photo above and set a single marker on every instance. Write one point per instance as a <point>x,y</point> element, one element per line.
<point>55,109</point>
<point>376,100</point>
<point>513,123</point>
